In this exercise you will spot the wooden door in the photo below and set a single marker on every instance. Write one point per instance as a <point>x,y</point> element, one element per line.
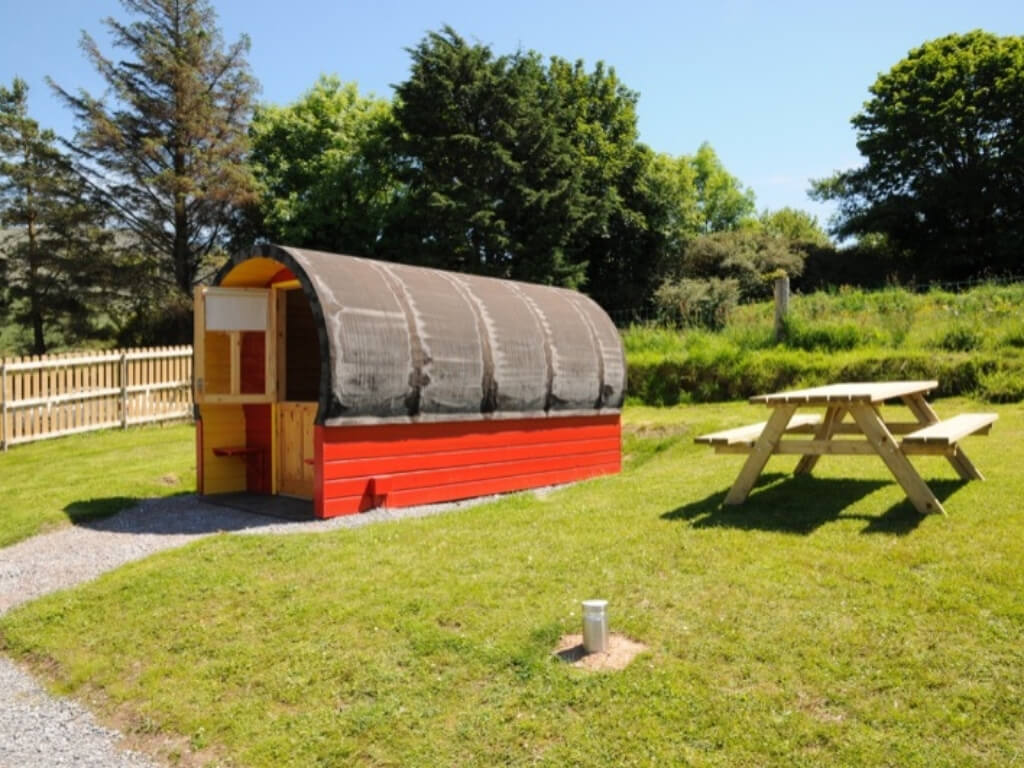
<point>295,449</point>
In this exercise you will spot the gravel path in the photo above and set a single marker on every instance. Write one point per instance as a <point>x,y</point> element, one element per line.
<point>38,730</point>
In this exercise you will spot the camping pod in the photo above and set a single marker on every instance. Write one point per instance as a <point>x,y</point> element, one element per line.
<point>356,383</point>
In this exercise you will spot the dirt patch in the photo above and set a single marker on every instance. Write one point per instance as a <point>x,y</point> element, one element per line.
<point>170,479</point>
<point>621,651</point>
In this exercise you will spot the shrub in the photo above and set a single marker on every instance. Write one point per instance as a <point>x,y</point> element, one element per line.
<point>697,303</point>
<point>1014,338</point>
<point>832,337</point>
<point>1003,386</point>
<point>960,338</point>
<point>896,314</point>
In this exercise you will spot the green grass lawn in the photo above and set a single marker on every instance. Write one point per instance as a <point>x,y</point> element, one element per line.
<point>822,623</point>
<point>46,484</point>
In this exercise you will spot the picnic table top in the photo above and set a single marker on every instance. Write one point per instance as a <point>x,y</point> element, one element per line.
<point>851,392</point>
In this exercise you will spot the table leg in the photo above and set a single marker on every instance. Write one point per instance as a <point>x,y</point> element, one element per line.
<point>761,452</point>
<point>926,415</point>
<point>825,430</point>
<point>878,435</point>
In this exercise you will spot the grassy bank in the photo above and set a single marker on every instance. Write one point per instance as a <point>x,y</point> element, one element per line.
<point>971,342</point>
<point>49,483</point>
<point>823,622</point>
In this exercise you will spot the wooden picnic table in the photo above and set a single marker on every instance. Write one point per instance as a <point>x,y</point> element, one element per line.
<point>853,424</point>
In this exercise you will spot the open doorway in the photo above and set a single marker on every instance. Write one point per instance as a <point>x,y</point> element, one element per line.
<point>299,363</point>
<point>257,386</point>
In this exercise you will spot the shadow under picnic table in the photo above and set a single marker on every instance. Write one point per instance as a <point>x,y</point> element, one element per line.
<point>801,504</point>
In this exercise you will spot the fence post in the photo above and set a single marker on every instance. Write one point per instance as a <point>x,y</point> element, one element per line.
<point>124,389</point>
<point>781,304</point>
<point>3,404</point>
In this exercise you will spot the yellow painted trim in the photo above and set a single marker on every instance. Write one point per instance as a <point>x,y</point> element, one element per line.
<point>252,272</point>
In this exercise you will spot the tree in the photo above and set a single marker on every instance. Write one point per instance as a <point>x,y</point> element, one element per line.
<point>515,168</point>
<point>54,255</point>
<point>323,176</point>
<point>491,183</point>
<point>748,256</point>
<point>794,224</point>
<point>943,140</point>
<point>167,157</point>
<point>723,203</point>
<point>624,226</point>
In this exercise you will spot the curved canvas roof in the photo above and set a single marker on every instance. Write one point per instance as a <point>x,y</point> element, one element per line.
<point>401,343</point>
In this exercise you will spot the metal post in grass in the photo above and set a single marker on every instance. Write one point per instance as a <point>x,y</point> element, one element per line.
<point>595,626</point>
<point>781,304</point>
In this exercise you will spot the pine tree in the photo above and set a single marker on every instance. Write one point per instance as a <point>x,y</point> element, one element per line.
<point>54,253</point>
<point>167,154</point>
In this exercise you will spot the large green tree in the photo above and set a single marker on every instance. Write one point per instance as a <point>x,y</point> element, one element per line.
<point>165,148</point>
<point>492,187</point>
<point>324,177</point>
<point>513,167</point>
<point>54,250</point>
<point>943,140</point>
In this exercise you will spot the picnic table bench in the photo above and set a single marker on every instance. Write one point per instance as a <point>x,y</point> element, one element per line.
<point>829,433</point>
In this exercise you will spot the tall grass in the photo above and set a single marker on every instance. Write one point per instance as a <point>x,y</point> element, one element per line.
<point>972,342</point>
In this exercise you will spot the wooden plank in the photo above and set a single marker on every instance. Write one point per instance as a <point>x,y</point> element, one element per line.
<point>295,444</point>
<point>917,490</point>
<point>280,335</point>
<point>761,452</point>
<point>235,338</point>
<point>404,439</point>
<point>222,425</point>
<point>854,392</point>
<point>275,460</point>
<point>4,397</point>
<point>36,411</point>
<point>18,390</point>
<point>815,448</point>
<point>64,433</point>
<point>198,345</point>
<point>749,433</point>
<point>953,429</point>
<point>833,416</point>
<point>123,381</point>
<point>404,481</point>
<point>71,397</point>
<point>464,490</point>
<point>270,347</point>
<point>444,459</point>
<point>237,399</point>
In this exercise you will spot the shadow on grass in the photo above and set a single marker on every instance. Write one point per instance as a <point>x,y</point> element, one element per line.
<point>92,509</point>
<point>801,504</point>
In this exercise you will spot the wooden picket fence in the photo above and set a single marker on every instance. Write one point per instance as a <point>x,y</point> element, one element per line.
<point>46,396</point>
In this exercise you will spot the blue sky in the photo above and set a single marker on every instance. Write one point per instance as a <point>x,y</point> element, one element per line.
<point>772,85</point>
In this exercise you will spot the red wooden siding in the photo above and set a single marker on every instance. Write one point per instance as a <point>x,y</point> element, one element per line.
<point>253,364</point>
<point>258,435</point>
<point>401,465</point>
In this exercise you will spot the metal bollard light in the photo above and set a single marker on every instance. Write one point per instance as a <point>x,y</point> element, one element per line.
<point>595,626</point>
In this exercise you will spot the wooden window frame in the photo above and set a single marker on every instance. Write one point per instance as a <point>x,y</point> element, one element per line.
<point>270,353</point>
